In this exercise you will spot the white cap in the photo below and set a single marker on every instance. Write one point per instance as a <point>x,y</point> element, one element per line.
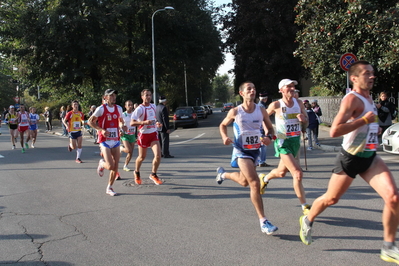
<point>285,82</point>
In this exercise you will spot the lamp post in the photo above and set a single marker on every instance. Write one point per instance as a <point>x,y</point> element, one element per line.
<point>153,52</point>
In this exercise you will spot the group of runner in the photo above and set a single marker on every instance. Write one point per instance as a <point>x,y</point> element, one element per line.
<point>356,121</point>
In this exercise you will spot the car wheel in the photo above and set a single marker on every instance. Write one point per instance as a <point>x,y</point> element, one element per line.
<point>196,124</point>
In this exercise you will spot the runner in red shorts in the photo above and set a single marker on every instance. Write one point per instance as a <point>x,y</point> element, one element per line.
<point>145,119</point>
<point>23,125</point>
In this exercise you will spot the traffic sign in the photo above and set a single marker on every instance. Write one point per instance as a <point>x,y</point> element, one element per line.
<point>16,99</point>
<point>347,60</point>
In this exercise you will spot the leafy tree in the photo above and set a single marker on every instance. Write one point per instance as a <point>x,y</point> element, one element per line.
<point>261,36</point>
<point>222,90</point>
<point>74,48</point>
<point>369,29</point>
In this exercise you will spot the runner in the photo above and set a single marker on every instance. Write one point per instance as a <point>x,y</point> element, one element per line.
<point>107,120</point>
<point>357,122</point>
<point>73,121</point>
<point>23,126</point>
<point>34,119</point>
<point>291,119</point>
<point>144,117</point>
<point>248,118</point>
<point>129,137</point>
<point>12,121</point>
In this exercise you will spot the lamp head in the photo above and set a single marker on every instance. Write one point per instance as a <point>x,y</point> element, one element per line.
<point>169,8</point>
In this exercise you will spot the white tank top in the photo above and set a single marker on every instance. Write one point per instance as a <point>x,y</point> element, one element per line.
<point>287,123</point>
<point>247,129</point>
<point>364,138</point>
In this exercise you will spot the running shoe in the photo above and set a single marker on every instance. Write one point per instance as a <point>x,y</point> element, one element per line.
<point>390,254</point>
<point>33,146</point>
<point>78,160</point>
<point>219,171</point>
<point>117,176</point>
<point>268,228</point>
<point>13,147</point>
<point>125,168</point>
<point>155,179</point>
<point>100,168</point>
<point>110,192</point>
<point>263,184</point>
<point>69,148</point>
<point>310,148</point>
<point>23,150</point>
<point>26,146</point>
<point>305,232</point>
<point>306,209</point>
<point>137,178</point>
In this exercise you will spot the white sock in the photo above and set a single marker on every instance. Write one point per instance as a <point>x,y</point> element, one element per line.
<point>222,176</point>
<point>262,221</point>
<point>109,186</point>
<point>265,179</point>
<point>78,153</point>
<point>303,205</point>
<point>125,166</point>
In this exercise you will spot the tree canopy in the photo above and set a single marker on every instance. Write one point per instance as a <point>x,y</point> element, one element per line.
<point>368,29</point>
<point>74,48</point>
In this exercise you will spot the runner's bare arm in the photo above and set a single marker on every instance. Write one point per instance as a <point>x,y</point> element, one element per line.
<point>273,107</point>
<point>223,126</point>
<point>303,116</point>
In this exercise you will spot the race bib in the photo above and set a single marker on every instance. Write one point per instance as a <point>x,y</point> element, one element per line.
<point>131,130</point>
<point>113,134</point>
<point>372,138</point>
<point>250,140</point>
<point>293,128</point>
<point>76,125</point>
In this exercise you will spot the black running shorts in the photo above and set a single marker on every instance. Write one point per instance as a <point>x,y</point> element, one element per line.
<point>352,165</point>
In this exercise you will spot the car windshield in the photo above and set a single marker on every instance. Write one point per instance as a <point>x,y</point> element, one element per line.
<point>182,112</point>
<point>197,108</point>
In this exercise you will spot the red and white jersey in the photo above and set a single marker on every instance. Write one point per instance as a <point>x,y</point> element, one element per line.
<point>23,119</point>
<point>143,113</point>
<point>108,118</point>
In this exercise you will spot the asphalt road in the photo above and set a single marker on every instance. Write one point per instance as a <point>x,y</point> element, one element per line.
<point>55,212</point>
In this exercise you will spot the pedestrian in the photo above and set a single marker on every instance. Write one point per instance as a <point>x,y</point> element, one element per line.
<point>12,121</point>
<point>63,113</point>
<point>356,120</point>
<point>34,119</point>
<point>316,108</point>
<point>145,118</point>
<point>48,118</point>
<point>263,98</point>
<point>385,112</point>
<point>107,120</point>
<point>248,117</point>
<point>5,112</point>
<point>23,126</point>
<point>73,121</point>
<point>312,129</point>
<point>129,136</point>
<point>291,119</point>
<point>162,114</point>
<point>93,132</point>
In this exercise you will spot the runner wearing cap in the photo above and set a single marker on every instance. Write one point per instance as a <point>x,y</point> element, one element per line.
<point>12,121</point>
<point>107,120</point>
<point>291,120</point>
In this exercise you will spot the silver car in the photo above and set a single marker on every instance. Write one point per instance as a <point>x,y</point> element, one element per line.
<point>390,139</point>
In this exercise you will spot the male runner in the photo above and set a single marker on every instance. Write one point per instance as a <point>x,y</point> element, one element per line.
<point>291,118</point>
<point>357,122</point>
<point>12,121</point>
<point>34,119</point>
<point>23,125</point>
<point>107,120</point>
<point>129,137</point>
<point>73,121</point>
<point>248,119</point>
<point>144,117</point>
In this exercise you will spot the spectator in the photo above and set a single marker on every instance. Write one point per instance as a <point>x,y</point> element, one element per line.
<point>93,130</point>
<point>62,116</point>
<point>312,129</point>
<point>162,115</point>
<point>263,103</point>
<point>48,117</point>
<point>385,112</point>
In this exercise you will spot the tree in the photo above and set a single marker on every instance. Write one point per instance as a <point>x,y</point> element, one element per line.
<point>261,36</point>
<point>79,48</point>
<point>222,88</point>
<point>369,29</point>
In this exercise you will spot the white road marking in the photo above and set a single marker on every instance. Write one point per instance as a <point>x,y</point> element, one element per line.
<point>1,156</point>
<point>200,135</point>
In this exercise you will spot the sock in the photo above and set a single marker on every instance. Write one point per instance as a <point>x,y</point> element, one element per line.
<point>265,179</point>
<point>307,222</point>
<point>303,205</point>
<point>222,176</point>
<point>125,166</point>
<point>109,186</point>
<point>389,245</point>
<point>78,152</point>
<point>262,220</point>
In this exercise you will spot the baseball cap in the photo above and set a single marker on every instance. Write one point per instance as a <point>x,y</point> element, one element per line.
<point>285,82</point>
<point>12,106</point>
<point>314,101</point>
<point>162,99</point>
<point>110,91</point>
<point>305,101</point>
<point>263,95</point>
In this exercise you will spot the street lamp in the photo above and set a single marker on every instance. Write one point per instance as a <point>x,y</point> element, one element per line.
<point>153,51</point>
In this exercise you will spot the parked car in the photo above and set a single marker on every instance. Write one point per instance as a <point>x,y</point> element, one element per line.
<point>227,107</point>
<point>201,112</point>
<point>210,109</point>
<point>390,139</point>
<point>185,116</point>
<point>207,109</point>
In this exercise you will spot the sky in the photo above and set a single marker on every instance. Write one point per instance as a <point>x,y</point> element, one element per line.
<point>229,62</point>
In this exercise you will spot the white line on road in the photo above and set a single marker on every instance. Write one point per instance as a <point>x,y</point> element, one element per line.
<point>1,156</point>
<point>200,135</point>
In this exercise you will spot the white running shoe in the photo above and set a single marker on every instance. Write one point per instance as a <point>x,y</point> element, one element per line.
<point>110,192</point>
<point>100,168</point>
